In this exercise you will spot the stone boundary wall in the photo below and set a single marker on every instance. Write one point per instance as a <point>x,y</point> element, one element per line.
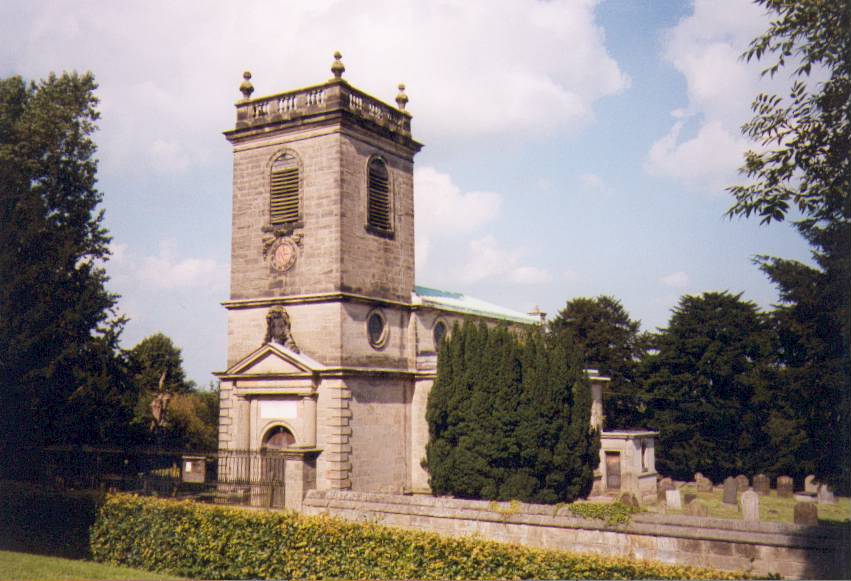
<point>792,551</point>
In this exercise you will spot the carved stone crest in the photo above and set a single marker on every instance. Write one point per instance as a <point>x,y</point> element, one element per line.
<point>278,328</point>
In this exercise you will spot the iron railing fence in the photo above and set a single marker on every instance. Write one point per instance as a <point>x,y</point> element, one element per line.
<point>244,477</point>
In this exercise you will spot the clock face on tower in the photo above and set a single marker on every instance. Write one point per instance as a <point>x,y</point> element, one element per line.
<point>283,255</point>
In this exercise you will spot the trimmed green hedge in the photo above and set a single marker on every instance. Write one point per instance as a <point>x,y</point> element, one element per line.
<point>35,519</point>
<point>211,542</point>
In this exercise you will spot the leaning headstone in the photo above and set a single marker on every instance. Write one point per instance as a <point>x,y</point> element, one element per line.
<point>762,484</point>
<point>697,508</point>
<point>750,506</point>
<point>742,482</point>
<point>628,499</point>
<point>811,484</point>
<point>704,484</point>
<point>825,495</point>
<point>731,487</point>
<point>785,487</point>
<point>673,500</point>
<point>806,513</point>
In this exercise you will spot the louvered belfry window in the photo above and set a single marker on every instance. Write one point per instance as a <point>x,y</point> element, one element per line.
<point>284,191</point>
<point>378,203</point>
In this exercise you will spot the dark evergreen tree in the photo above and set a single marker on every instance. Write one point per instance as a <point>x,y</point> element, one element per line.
<point>608,340</point>
<point>805,163</point>
<point>708,387</point>
<point>508,419</point>
<point>58,331</point>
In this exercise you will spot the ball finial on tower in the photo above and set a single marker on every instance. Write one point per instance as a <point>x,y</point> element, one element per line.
<point>401,98</point>
<point>246,88</point>
<point>337,67</point>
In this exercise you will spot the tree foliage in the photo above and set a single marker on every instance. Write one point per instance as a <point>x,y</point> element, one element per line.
<point>804,164</point>
<point>508,419</point>
<point>711,392</point>
<point>58,328</point>
<point>608,340</point>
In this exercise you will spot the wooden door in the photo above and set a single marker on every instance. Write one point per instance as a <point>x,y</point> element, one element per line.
<point>613,470</point>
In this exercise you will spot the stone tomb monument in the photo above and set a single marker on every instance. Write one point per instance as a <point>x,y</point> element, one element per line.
<point>762,484</point>
<point>673,499</point>
<point>811,484</point>
<point>806,514</point>
<point>731,488</point>
<point>750,506</point>
<point>785,487</point>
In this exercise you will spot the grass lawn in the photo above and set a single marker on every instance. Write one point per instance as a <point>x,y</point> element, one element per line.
<point>25,566</point>
<point>771,508</point>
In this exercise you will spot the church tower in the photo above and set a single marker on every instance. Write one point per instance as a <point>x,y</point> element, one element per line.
<point>322,276</point>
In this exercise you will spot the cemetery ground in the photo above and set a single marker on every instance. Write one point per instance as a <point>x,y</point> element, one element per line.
<point>772,508</point>
<point>18,565</point>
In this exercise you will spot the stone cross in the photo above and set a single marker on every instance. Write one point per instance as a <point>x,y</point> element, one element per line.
<point>673,500</point>
<point>762,484</point>
<point>806,514</point>
<point>810,484</point>
<point>750,506</point>
<point>731,487</point>
<point>742,482</point>
<point>785,487</point>
<point>825,495</point>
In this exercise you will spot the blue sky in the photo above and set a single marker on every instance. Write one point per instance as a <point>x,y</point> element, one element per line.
<point>573,148</point>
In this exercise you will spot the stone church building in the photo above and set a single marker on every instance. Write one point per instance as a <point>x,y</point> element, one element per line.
<point>331,345</point>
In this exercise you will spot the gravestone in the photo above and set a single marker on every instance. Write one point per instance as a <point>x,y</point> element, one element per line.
<point>688,497</point>
<point>704,484</point>
<point>810,484</point>
<point>628,499</point>
<point>673,500</point>
<point>666,484</point>
<point>762,484</point>
<point>750,506</point>
<point>825,495</point>
<point>785,487</point>
<point>731,487</point>
<point>697,508</point>
<point>742,482</point>
<point>806,513</point>
<point>698,476</point>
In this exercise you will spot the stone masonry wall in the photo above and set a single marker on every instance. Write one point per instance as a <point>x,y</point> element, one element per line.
<point>317,268</point>
<point>761,548</point>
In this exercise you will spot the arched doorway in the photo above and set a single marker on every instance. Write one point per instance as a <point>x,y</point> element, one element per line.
<point>273,462</point>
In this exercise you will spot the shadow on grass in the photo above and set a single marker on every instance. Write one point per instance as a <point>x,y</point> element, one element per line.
<point>46,522</point>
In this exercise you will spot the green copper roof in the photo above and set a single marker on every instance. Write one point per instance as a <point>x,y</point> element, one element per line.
<point>461,303</point>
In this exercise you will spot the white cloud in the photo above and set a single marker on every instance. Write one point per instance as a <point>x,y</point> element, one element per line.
<point>675,280</point>
<point>488,259</point>
<point>705,48</point>
<point>167,271</point>
<point>593,182</point>
<point>164,272</point>
<point>443,210</point>
<point>708,160</point>
<point>465,80</point>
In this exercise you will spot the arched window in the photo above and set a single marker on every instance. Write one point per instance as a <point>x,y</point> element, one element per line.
<point>438,333</point>
<point>378,210</point>
<point>284,191</point>
<point>278,438</point>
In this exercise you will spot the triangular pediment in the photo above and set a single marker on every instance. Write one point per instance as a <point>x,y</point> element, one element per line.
<point>275,359</point>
